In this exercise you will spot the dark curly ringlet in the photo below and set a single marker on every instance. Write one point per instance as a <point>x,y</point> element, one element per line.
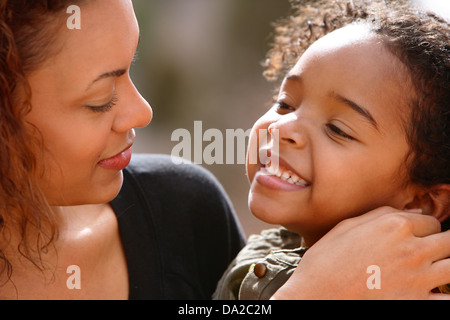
<point>28,29</point>
<point>420,40</point>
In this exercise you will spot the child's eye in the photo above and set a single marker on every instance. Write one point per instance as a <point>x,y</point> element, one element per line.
<point>283,107</point>
<point>334,130</point>
<point>107,107</point>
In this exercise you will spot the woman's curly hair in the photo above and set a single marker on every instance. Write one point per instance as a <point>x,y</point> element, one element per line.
<point>419,39</point>
<point>28,29</point>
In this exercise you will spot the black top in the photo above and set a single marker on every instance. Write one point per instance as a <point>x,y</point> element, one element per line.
<point>178,229</point>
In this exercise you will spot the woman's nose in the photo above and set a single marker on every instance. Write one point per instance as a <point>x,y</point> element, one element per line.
<point>135,112</point>
<point>145,112</point>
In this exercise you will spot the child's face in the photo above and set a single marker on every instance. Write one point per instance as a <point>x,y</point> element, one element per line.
<point>339,121</point>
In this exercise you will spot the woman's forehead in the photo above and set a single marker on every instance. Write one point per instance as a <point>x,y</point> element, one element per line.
<point>105,42</point>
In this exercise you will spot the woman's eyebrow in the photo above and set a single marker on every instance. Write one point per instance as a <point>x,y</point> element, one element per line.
<point>354,106</point>
<point>116,73</point>
<point>111,74</point>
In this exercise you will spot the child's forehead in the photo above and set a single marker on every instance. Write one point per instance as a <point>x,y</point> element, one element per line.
<point>353,62</point>
<point>352,34</point>
<point>354,49</point>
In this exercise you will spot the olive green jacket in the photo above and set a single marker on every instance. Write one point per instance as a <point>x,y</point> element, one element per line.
<point>262,267</point>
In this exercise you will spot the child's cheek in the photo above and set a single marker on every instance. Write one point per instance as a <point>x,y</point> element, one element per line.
<point>259,138</point>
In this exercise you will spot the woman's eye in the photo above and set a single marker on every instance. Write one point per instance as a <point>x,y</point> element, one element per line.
<point>334,130</point>
<point>107,107</point>
<point>283,107</point>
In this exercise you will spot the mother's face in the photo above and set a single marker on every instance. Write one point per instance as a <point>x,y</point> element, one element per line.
<point>86,106</point>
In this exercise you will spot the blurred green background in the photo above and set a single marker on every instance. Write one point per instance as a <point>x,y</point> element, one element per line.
<point>200,60</point>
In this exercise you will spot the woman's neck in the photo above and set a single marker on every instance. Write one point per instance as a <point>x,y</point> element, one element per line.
<point>88,237</point>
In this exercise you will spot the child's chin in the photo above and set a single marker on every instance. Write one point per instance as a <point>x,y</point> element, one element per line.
<point>265,212</point>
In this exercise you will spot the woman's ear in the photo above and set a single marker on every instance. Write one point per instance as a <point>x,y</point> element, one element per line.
<point>435,201</point>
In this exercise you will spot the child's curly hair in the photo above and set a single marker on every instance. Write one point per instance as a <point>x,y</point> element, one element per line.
<point>420,40</point>
<point>312,19</point>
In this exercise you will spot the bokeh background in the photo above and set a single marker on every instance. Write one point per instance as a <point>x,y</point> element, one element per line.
<point>200,60</point>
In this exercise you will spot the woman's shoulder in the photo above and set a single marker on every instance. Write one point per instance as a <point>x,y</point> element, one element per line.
<point>161,171</point>
<point>182,214</point>
<point>170,186</point>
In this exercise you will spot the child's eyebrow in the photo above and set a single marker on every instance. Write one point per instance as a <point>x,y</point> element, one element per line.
<point>294,77</point>
<point>353,105</point>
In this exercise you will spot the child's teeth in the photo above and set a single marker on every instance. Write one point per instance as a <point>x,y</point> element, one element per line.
<point>287,176</point>
<point>302,183</point>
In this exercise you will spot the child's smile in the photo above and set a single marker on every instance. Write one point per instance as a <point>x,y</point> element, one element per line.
<point>280,176</point>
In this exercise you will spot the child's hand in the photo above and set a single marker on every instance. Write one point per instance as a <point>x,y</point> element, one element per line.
<point>406,248</point>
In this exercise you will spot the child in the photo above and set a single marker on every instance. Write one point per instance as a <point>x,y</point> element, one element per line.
<point>361,121</point>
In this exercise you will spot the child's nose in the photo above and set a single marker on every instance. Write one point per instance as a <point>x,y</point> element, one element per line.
<point>289,132</point>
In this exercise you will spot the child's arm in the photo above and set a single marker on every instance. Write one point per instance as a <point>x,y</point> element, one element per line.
<point>408,249</point>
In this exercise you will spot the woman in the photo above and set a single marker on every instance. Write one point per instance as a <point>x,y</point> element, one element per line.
<point>71,148</point>
<point>68,113</point>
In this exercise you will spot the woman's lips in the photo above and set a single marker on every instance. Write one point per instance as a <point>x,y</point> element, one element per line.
<point>118,162</point>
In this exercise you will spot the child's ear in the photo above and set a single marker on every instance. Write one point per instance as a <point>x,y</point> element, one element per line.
<point>435,201</point>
